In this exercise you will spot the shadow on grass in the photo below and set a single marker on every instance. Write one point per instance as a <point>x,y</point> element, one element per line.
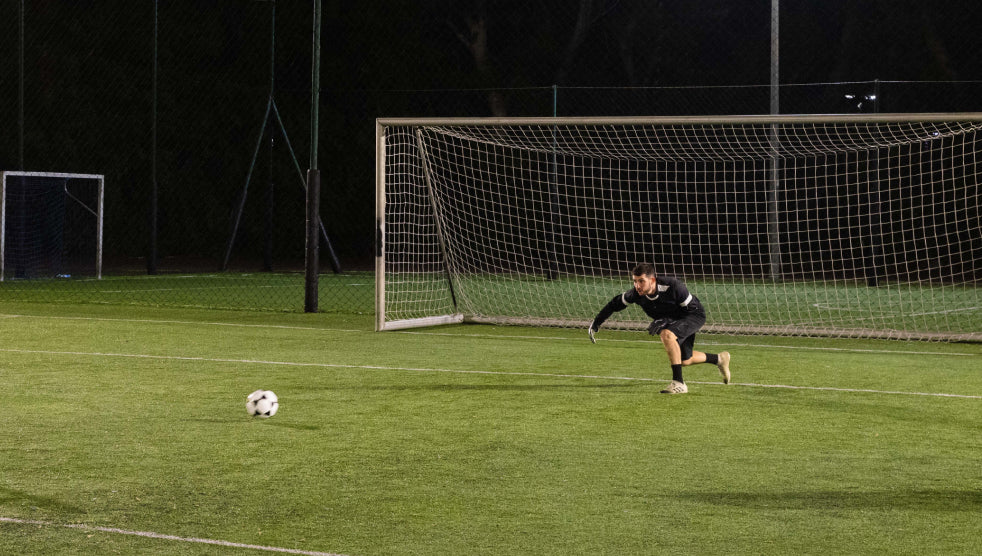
<point>925,499</point>
<point>12,496</point>
<point>293,426</point>
<point>273,422</point>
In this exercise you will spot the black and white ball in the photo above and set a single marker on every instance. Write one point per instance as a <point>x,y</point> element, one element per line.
<point>262,403</point>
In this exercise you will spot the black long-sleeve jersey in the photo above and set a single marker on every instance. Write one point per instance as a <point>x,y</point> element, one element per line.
<point>671,300</point>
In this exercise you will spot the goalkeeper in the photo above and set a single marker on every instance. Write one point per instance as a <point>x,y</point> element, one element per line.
<point>677,315</point>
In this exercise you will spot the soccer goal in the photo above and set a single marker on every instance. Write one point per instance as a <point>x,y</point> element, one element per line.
<point>50,225</point>
<point>862,225</point>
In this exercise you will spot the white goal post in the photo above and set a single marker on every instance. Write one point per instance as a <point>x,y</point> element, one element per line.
<point>50,225</point>
<point>865,225</point>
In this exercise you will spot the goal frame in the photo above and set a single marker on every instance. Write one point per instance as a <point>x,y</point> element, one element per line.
<point>381,324</point>
<point>100,178</point>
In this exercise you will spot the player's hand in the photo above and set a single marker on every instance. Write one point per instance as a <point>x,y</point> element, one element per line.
<point>591,331</point>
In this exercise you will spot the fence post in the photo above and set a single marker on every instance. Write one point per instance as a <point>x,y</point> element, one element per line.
<point>312,261</point>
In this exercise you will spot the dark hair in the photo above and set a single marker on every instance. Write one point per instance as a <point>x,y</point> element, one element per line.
<point>644,269</point>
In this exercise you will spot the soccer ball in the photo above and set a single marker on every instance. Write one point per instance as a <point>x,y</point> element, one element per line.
<point>262,403</point>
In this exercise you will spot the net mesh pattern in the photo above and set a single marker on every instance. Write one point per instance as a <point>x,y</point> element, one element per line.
<point>864,229</point>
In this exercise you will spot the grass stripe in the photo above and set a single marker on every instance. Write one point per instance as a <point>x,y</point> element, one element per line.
<point>494,336</point>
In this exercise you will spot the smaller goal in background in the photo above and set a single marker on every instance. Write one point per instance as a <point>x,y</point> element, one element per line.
<point>50,225</point>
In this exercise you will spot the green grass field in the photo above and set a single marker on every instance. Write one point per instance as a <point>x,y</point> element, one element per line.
<point>125,431</point>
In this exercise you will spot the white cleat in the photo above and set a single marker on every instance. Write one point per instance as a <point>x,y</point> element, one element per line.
<point>675,387</point>
<point>724,366</point>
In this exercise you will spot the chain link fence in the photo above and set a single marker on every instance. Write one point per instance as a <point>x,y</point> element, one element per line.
<point>198,113</point>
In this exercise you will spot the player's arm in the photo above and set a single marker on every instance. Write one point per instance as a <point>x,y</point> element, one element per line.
<point>618,303</point>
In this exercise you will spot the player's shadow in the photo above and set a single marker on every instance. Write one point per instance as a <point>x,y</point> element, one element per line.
<point>924,499</point>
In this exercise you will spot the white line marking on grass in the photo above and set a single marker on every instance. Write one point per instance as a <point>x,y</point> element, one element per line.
<point>161,536</point>
<point>463,371</point>
<point>859,390</point>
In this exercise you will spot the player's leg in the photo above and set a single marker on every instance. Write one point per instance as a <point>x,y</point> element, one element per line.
<point>679,338</point>
<point>659,327</point>
<point>672,347</point>
<point>674,351</point>
<point>697,358</point>
<point>685,329</point>
<point>721,360</point>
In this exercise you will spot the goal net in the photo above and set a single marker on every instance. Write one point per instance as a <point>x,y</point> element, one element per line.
<point>50,225</point>
<point>858,226</point>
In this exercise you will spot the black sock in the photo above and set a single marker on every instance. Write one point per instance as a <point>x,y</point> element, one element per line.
<point>677,373</point>
<point>712,358</point>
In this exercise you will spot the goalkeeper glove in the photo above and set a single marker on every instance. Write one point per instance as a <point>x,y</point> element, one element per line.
<point>592,332</point>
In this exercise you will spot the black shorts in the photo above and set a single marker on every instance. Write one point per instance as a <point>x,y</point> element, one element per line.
<point>684,329</point>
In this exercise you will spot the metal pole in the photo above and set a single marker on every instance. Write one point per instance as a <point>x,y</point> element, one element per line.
<point>312,261</point>
<point>272,48</point>
<point>775,58</point>
<point>773,195</point>
<point>875,208</point>
<point>20,97</point>
<point>315,85</point>
<point>553,250</point>
<point>152,256</point>
<point>268,224</point>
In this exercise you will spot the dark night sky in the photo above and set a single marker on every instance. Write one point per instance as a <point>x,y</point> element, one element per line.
<point>645,42</point>
<point>88,79</point>
<point>385,46</point>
